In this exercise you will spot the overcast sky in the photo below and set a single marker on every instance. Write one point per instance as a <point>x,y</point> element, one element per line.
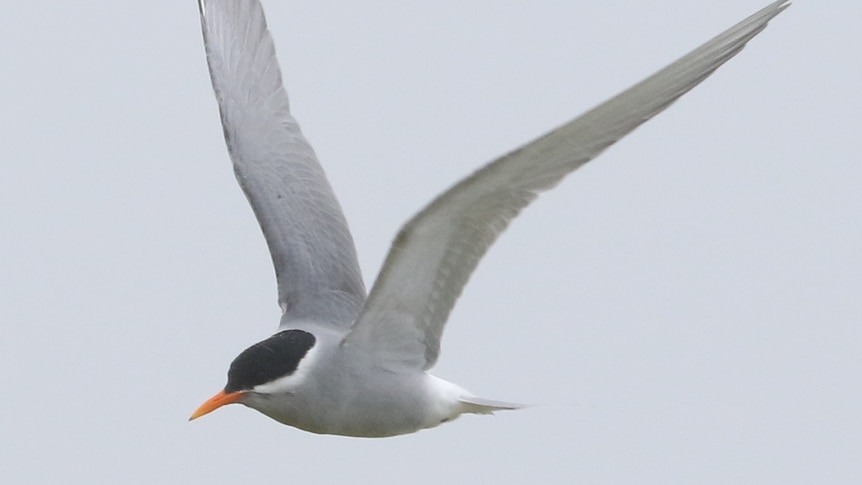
<point>685,309</point>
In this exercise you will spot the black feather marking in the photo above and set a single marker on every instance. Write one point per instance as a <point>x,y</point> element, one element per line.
<point>278,356</point>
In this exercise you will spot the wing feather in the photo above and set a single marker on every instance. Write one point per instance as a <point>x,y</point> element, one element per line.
<point>312,250</point>
<point>435,253</point>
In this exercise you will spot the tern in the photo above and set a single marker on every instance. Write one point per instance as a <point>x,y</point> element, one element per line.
<point>343,362</point>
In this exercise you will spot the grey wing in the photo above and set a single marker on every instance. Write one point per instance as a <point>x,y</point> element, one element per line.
<point>434,254</point>
<point>312,250</point>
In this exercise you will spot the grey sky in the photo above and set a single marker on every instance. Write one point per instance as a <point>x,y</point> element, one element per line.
<point>685,309</point>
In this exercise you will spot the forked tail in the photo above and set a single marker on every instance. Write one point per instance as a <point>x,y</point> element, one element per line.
<point>477,405</point>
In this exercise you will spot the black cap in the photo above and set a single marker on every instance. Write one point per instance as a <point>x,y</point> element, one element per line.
<point>268,360</point>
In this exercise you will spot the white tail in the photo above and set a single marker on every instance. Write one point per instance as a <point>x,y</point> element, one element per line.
<point>477,405</point>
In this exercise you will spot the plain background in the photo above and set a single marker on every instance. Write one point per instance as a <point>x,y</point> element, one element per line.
<point>685,309</point>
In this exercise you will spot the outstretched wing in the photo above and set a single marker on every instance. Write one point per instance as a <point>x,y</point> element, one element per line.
<point>313,253</point>
<point>434,254</point>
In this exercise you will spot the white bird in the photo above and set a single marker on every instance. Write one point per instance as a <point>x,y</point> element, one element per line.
<point>349,364</point>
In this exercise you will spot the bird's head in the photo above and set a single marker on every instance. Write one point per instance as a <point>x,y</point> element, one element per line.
<point>267,367</point>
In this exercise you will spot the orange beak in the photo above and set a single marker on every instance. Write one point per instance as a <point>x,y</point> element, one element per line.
<point>216,402</point>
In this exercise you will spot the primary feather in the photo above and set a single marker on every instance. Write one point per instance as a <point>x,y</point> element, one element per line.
<point>435,253</point>
<point>312,250</point>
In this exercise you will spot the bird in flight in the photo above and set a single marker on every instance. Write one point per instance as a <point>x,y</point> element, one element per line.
<point>349,363</point>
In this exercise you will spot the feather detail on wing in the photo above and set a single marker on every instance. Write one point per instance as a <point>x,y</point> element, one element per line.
<point>435,253</point>
<point>312,250</point>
